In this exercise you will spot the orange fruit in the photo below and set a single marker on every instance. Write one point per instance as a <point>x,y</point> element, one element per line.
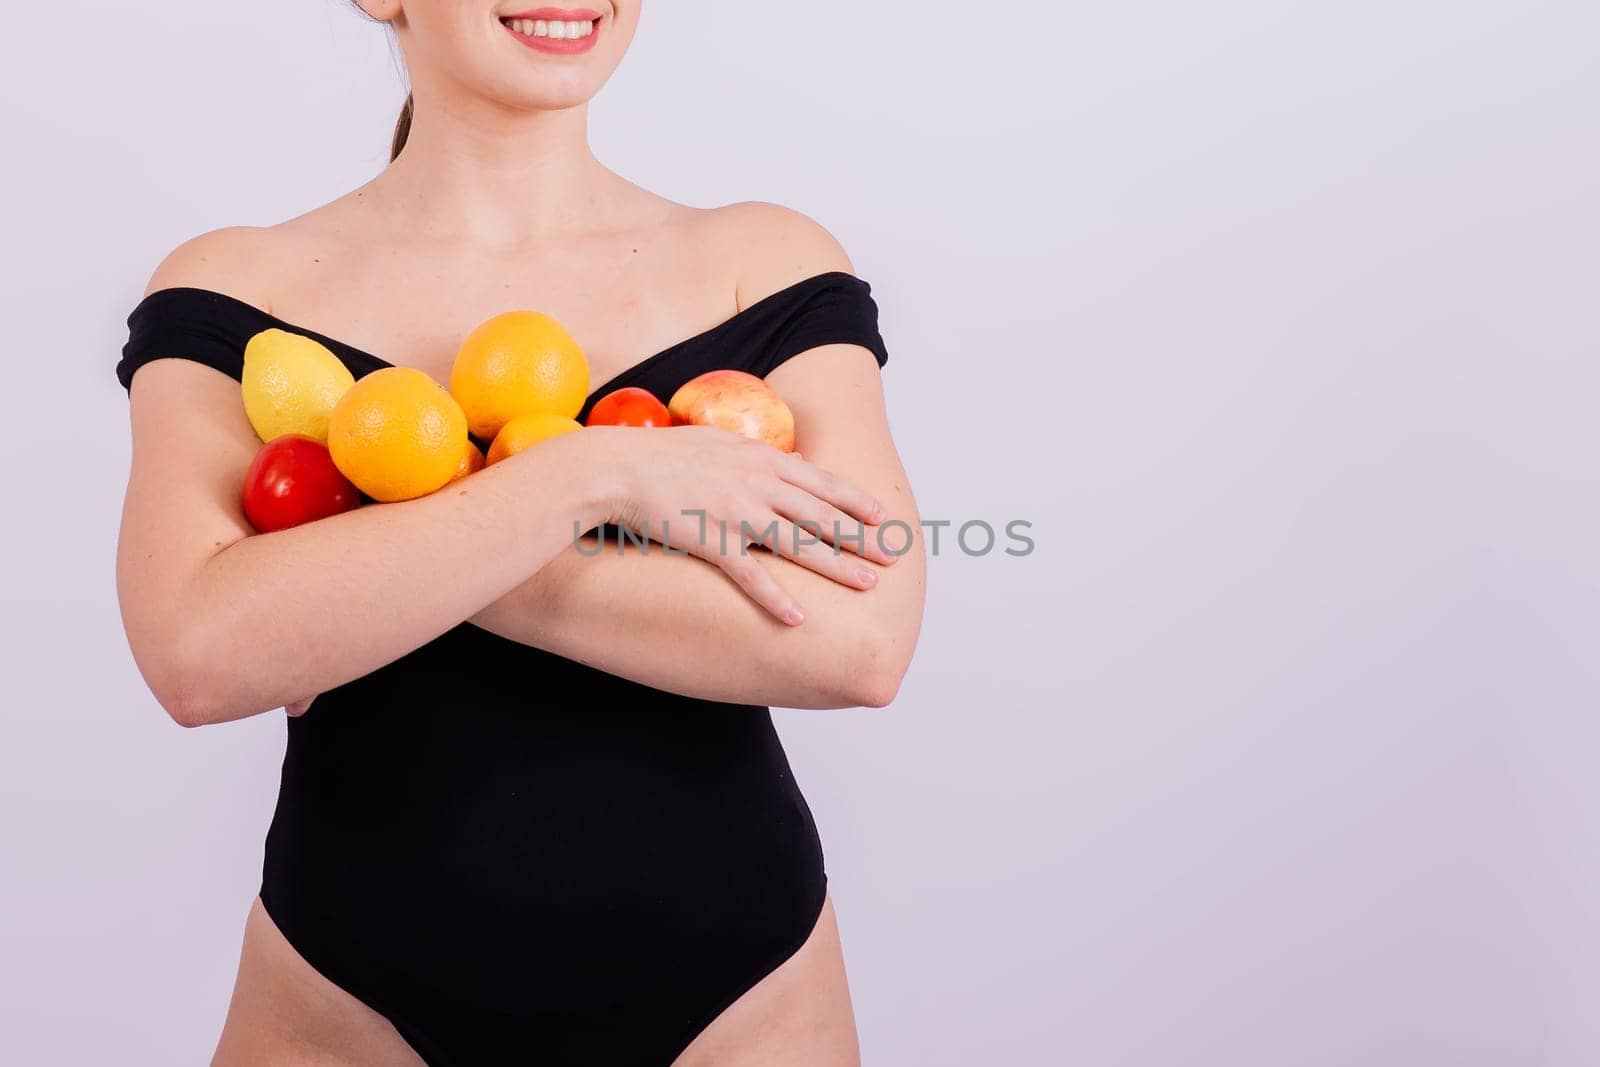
<point>397,434</point>
<point>471,462</point>
<point>525,431</point>
<point>516,364</point>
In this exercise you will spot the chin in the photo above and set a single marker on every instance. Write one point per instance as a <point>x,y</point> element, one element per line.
<point>579,66</point>
<point>551,93</point>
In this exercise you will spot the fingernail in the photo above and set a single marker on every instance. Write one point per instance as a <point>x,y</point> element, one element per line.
<point>866,577</point>
<point>878,513</point>
<point>794,617</point>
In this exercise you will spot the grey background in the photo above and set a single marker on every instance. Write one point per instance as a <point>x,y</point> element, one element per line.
<point>1277,320</point>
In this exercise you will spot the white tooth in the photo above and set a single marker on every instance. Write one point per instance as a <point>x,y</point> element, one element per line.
<point>558,31</point>
<point>588,28</point>
<point>525,27</point>
<point>541,28</point>
<point>574,31</point>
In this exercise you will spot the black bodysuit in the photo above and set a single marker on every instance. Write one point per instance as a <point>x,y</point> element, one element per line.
<point>515,857</point>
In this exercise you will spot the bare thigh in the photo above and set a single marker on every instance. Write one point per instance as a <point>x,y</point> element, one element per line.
<point>798,1016</point>
<point>285,1013</point>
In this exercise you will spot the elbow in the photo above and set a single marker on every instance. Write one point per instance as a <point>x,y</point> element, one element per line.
<point>186,698</point>
<point>877,692</point>
<point>189,688</point>
<point>876,673</point>
<point>189,713</point>
<point>882,642</point>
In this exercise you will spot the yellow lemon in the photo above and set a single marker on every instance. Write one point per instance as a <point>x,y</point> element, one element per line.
<point>525,431</point>
<point>516,364</point>
<point>291,384</point>
<point>397,434</point>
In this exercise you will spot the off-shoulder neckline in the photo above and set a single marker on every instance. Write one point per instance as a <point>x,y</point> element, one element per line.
<point>613,383</point>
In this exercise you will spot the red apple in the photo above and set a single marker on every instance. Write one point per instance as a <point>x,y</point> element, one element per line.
<point>737,402</point>
<point>293,480</point>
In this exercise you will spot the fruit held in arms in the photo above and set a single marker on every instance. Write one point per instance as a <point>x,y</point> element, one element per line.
<point>293,480</point>
<point>630,406</point>
<point>516,364</point>
<point>525,431</point>
<point>472,462</point>
<point>397,434</point>
<point>738,402</point>
<point>291,384</point>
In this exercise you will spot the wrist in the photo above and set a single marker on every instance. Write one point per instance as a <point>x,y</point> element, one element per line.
<point>572,479</point>
<point>606,484</point>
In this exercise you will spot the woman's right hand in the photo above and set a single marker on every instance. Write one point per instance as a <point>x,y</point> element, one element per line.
<point>711,493</point>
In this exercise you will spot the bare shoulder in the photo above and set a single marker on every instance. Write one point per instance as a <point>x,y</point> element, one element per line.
<point>249,263</point>
<point>774,247</point>
<point>229,261</point>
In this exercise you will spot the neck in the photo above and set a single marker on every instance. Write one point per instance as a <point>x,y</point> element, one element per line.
<point>476,170</point>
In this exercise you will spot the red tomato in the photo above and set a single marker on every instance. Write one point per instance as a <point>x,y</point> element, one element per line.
<point>631,406</point>
<point>293,480</point>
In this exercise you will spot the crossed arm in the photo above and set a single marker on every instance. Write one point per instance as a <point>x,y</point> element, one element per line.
<point>198,592</point>
<point>677,623</point>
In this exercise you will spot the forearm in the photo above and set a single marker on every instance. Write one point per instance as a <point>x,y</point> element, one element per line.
<point>676,623</point>
<point>273,618</point>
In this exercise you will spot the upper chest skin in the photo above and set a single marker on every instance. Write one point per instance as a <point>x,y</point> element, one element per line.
<point>623,295</point>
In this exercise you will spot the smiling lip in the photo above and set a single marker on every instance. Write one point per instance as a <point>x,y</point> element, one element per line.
<point>557,45</point>
<point>564,14</point>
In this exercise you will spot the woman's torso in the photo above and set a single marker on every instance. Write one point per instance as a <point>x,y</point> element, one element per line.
<point>451,822</point>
